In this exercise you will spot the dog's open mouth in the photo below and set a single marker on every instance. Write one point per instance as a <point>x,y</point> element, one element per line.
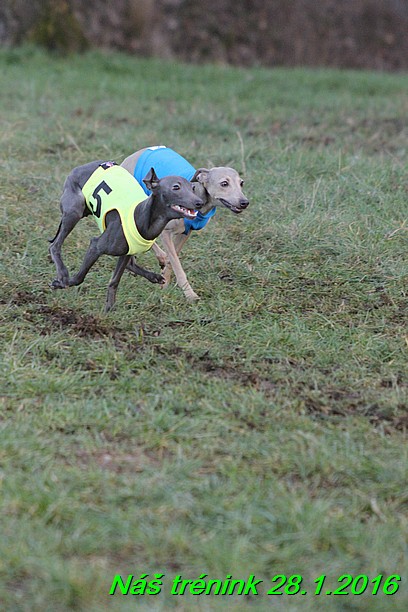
<point>234,209</point>
<point>186,212</point>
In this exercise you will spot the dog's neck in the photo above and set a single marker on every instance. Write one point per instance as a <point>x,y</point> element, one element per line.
<point>203,194</point>
<point>150,217</point>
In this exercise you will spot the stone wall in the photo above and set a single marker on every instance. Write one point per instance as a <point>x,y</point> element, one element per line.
<point>344,33</point>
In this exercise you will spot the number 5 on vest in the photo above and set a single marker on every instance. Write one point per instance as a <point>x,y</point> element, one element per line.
<point>101,187</point>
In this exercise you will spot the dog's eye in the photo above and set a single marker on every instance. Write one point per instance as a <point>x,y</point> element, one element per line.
<point>224,183</point>
<point>242,183</point>
<point>176,187</point>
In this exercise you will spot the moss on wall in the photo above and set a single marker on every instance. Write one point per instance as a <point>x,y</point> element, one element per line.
<point>58,29</point>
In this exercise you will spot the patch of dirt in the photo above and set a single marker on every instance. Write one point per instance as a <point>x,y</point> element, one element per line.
<point>48,319</point>
<point>388,126</point>
<point>21,298</point>
<point>329,403</point>
<point>147,331</point>
<point>55,317</point>
<point>344,403</point>
<point>389,422</point>
<point>231,372</point>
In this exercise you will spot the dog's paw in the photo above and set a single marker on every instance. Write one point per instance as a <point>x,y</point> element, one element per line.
<point>191,296</point>
<point>58,284</point>
<point>156,278</point>
<point>166,273</point>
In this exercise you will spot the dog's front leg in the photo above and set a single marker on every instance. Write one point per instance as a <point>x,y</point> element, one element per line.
<point>181,277</point>
<point>133,268</point>
<point>137,270</point>
<point>178,241</point>
<point>160,254</point>
<point>114,281</point>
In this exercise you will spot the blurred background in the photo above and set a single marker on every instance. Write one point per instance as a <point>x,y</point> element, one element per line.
<point>369,34</point>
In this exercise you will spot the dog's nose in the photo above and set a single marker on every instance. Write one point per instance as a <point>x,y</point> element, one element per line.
<point>243,203</point>
<point>198,204</point>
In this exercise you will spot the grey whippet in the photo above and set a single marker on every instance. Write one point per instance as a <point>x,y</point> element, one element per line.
<point>99,188</point>
<point>216,186</point>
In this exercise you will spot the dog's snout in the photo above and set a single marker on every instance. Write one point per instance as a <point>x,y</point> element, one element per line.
<point>198,204</point>
<point>243,203</point>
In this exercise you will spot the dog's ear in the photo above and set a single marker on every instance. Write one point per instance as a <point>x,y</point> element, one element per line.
<point>151,180</point>
<point>201,176</point>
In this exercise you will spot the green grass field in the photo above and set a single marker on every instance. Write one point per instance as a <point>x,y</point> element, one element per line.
<point>262,430</point>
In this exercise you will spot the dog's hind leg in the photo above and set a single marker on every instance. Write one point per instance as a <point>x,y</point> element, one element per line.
<point>92,255</point>
<point>179,241</point>
<point>72,207</point>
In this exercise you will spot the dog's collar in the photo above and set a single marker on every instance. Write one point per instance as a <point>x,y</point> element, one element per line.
<point>108,164</point>
<point>199,222</point>
<point>207,215</point>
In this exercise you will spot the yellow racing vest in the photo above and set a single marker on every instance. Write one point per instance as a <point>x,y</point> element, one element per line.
<point>111,187</point>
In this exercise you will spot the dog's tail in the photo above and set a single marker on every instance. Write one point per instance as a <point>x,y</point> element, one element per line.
<point>51,240</point>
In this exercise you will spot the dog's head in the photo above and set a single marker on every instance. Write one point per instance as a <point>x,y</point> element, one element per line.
<point>175,193</point>
<point>223,185</point>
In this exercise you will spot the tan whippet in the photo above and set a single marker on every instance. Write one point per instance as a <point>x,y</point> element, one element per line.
<point>215,187</point>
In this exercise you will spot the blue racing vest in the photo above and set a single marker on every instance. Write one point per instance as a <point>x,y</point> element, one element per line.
<point>167,162</point>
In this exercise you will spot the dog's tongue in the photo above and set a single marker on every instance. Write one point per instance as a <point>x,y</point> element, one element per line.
<point>191,213</point>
